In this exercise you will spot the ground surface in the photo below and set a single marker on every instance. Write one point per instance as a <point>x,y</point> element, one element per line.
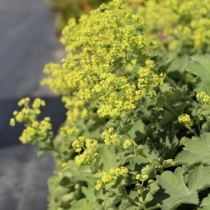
<point>27,43</point>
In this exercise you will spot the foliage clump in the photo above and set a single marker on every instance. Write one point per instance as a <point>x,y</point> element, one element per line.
<point>137,131</point>
<point>177,25</point>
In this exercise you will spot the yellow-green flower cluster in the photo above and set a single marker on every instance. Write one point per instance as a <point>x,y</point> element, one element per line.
<point>26,114</point>
<point>181,23</point>
<point>114,94</point>
<point>142,177</point>
<point>89,156</point>
<point>76,108</point>
<point>118,171</point>
<point>110,137</point>
<point>36,131</point>
<point>103,49</point>
<point>68,130</point>
<point>203,98</point>
<point>185,119</point>
<point>147,80</point>
<point>111,176</point>
<point>127,144</point>
<point>57,80</point>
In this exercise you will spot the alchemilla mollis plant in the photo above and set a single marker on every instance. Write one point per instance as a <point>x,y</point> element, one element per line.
<point>180,26</point>
<point>137,129</point>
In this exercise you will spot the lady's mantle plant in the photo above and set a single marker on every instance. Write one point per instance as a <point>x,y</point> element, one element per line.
<point>180,26</point>
<point>134,137</point>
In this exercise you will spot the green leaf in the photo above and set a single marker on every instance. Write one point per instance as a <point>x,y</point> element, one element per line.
<point>108,203</point>
<point>173,94</point>
<point>149,170</point>
<point>108,157</point>
<point>200,65</point>
<point>83,204</point>
<point>178,66</point>
<point>133,158</point>
<point>197,150</point>
<point>184,141</point>
<point>160,101</point>
<point>199,178</point>
<point>167,117</point>
<point>174,190</point>
<point>206,127</point>
<point>122,191</point>
<point>138,130</point>
<point>205,204</point>
<point>148,197</point>
<point>60,191</point>
<point>89,193</point>
<point>126,205</point>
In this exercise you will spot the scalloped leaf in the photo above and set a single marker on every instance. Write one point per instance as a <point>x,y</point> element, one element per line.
<point>174,191</point>
<point>197,150</point>
<point>199,178</point>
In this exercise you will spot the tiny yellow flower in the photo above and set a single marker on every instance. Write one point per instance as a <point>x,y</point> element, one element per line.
<point>12,122</point>
<point>138,176</point>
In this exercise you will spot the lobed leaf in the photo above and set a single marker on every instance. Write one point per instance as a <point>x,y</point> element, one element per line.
<point>174,191</point>
<point>197,150</point>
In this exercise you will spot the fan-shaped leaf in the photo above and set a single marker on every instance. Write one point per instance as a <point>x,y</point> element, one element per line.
<point>174,190</point>
<point>197,150</point>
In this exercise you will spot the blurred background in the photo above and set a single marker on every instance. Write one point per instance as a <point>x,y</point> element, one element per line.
<point>27,43</point>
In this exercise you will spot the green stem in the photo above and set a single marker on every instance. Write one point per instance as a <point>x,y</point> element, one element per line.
<point>133,201</point>
<point>135,144</point>
<point>191,130</point>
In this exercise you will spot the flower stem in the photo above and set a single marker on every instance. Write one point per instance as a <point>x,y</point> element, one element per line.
<point>191,130</point>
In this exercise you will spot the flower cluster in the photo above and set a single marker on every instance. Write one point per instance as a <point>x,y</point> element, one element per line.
<point>127,144</point>
<point>103,69</point>
<point>35,131</point>
<point>185,119</point>
<point>110,177</point>
<point>147,80</point>
<point>88,146</point>
<point>110,137</point>
<point>181,23</point>
<point>203,98</point>
<point>76,108</point>
<point>142,177</point>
